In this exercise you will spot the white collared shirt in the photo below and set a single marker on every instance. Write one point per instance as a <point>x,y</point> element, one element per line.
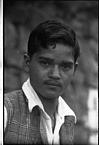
<point>45,122</point>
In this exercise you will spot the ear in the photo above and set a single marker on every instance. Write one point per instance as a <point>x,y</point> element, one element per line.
<point>75,66</point>
<point>26,62</point>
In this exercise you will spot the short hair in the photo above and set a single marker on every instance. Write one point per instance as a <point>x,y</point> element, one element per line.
<point>49,33</point>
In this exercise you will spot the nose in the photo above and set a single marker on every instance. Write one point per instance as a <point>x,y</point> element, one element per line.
<point>54,72</point>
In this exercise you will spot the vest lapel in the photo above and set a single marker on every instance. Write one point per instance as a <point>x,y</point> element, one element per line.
<point>67,131</point>
<point>35,123</point>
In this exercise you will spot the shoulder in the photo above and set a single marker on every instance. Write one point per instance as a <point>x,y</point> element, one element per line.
<point>12,98</point>
<point>13,95</point>
<point>13,102</point>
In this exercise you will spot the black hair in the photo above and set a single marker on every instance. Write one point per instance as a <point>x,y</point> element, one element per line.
<point>49,33</point>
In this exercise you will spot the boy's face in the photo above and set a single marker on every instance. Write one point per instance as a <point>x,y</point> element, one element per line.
<point>51,70</point>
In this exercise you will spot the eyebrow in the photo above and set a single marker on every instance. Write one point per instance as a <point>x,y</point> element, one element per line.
<point>66,62</point>
<point>45,58</point>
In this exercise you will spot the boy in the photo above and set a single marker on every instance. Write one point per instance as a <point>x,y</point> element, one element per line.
<point>37,114</point>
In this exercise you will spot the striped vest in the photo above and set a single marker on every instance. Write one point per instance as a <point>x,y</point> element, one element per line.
<point>23,126</point>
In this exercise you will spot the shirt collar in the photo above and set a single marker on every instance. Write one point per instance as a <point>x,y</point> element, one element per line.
<point>31,95</point>
<point>64,109</point>
<point>34,100</point>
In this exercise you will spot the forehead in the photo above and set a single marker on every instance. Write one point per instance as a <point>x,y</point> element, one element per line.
<point>59,53</point>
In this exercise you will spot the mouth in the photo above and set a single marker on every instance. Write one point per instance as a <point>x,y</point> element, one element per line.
<point>53,84</point>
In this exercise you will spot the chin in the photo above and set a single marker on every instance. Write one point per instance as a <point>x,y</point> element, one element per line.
<point>51,98</point>
<point>52,95</point>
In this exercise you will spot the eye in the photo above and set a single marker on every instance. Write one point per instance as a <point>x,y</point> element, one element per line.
<point>44,63</point>
<point>66,67</point>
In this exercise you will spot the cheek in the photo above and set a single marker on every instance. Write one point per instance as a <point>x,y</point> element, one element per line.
<point>37,76</point>
<point>67,79</point>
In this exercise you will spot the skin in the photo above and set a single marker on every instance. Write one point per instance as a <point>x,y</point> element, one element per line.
<point>51,71</point>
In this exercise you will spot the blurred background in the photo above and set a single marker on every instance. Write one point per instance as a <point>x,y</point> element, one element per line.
<point>20,17</point>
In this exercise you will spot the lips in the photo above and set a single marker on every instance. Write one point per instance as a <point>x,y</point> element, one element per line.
<point>53,83</point>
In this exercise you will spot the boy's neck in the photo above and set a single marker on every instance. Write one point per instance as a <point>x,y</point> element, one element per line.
<point>50,105</point>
